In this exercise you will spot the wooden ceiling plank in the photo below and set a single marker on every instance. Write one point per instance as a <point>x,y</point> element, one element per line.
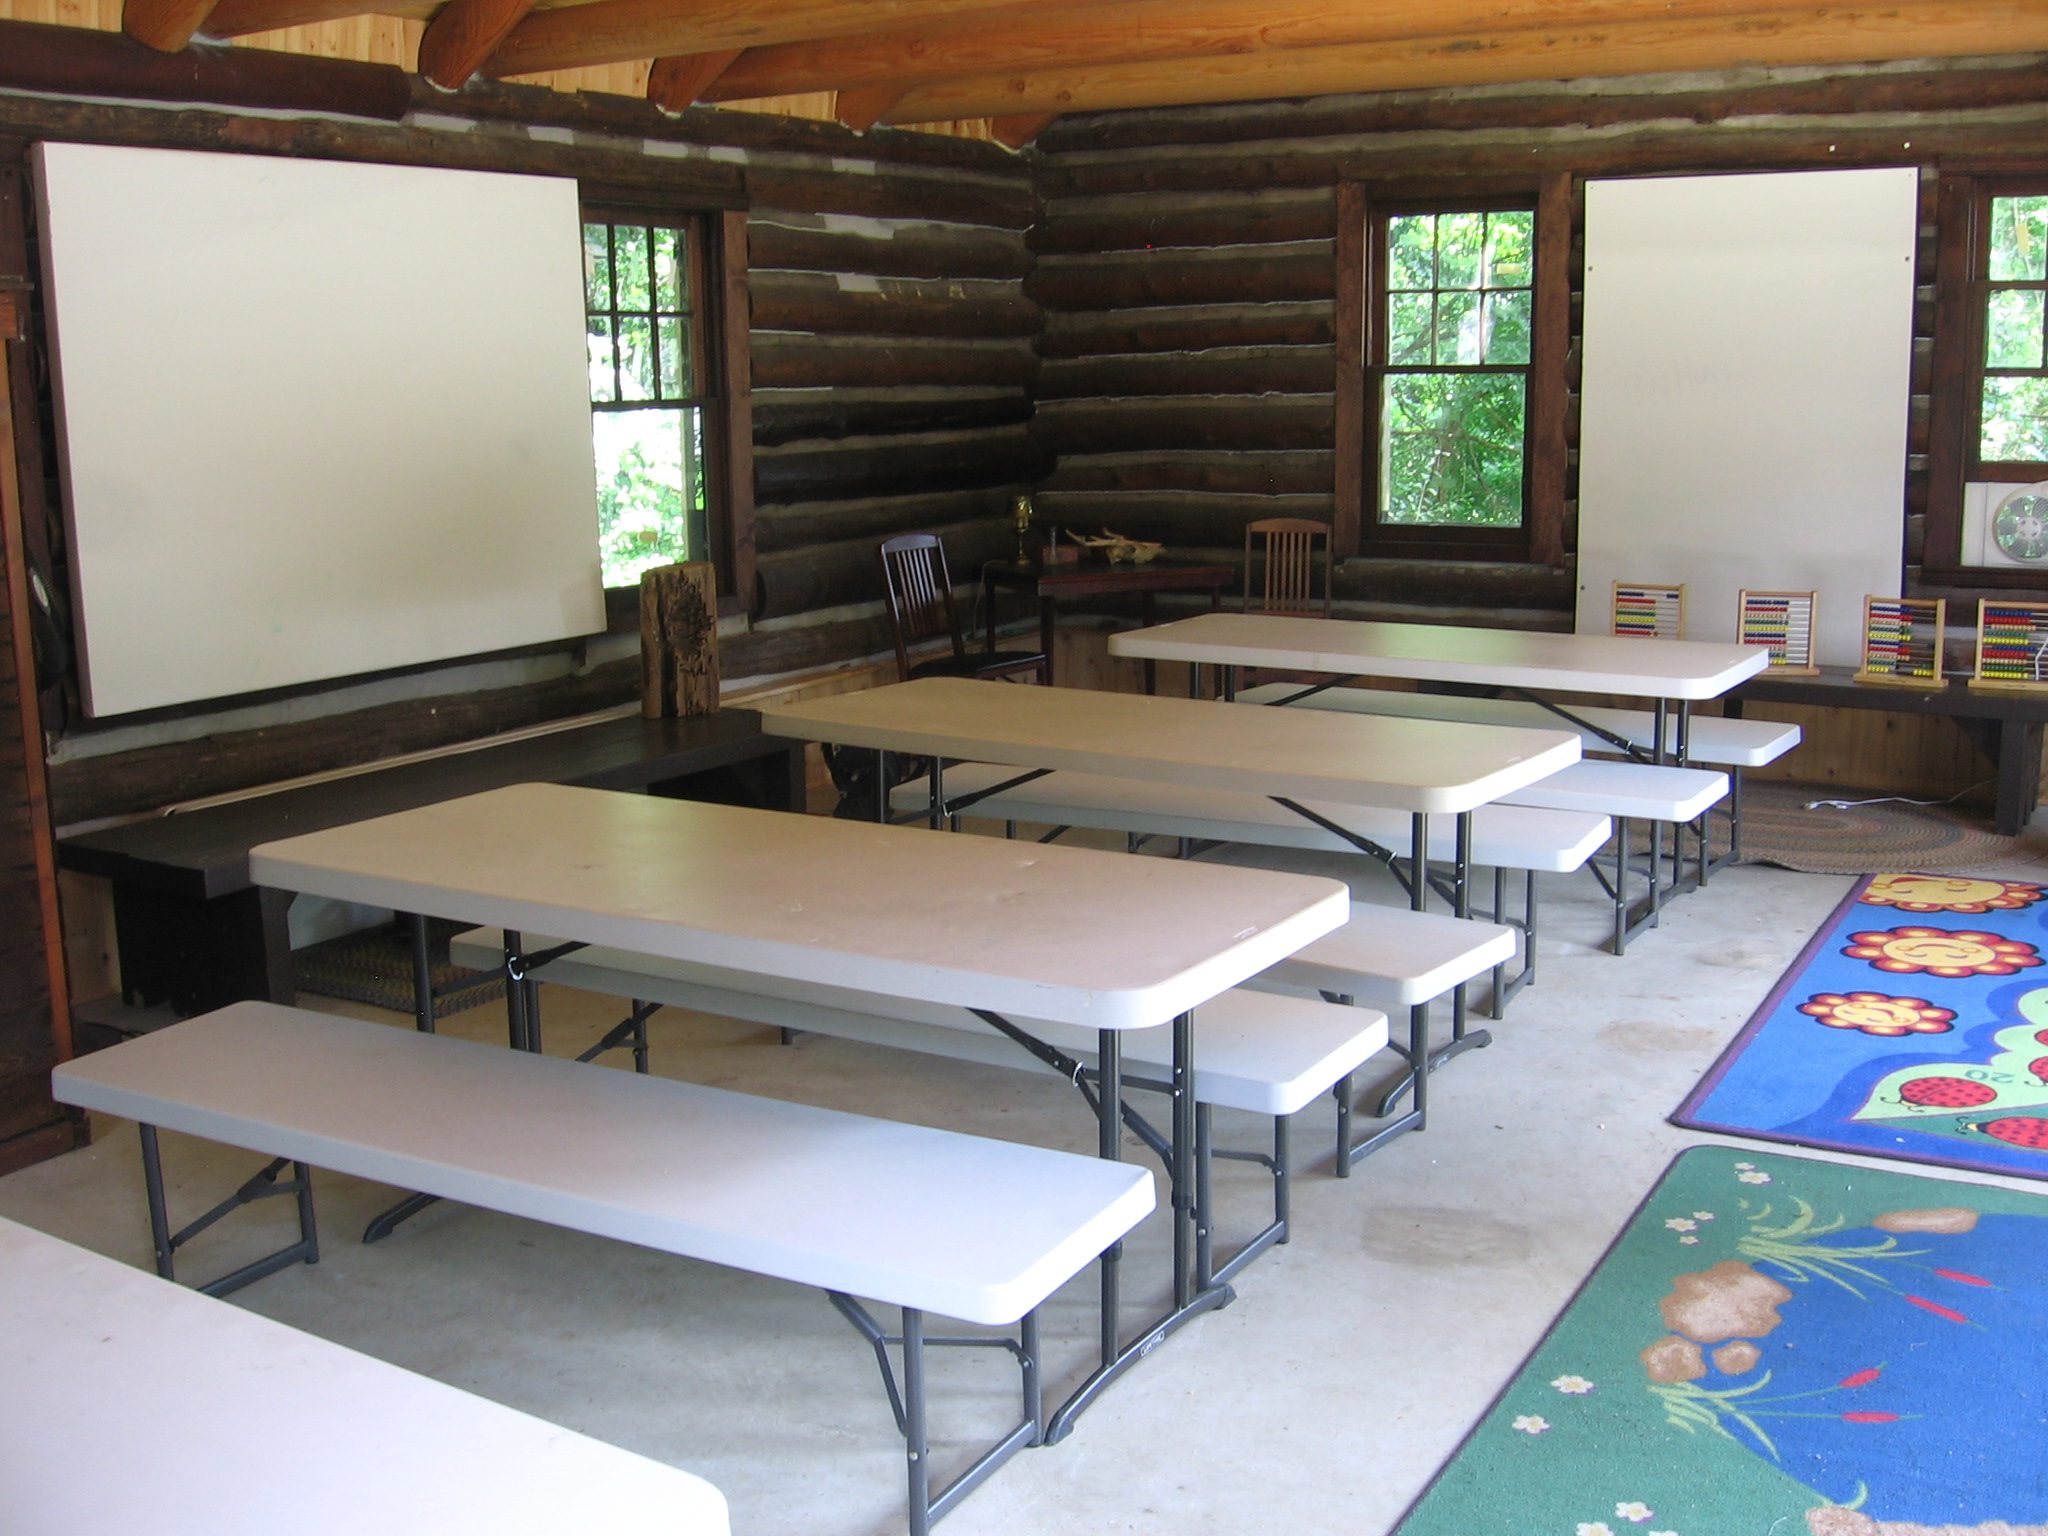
<point>165,25</point>
<point>463,35</point>
<point>1074,33</point>
<point>614,31</point>
<point>239,18</point>
<point>1828,34</point>
<point>860,110</point>
<point>676,83</point>
<point>1016,132</point>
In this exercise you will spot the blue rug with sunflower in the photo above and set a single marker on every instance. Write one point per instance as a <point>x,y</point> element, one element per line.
<point>1914,1026</point>
<point>1778,1346</point>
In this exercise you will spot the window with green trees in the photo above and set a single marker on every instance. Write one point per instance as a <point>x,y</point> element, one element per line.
<point>2012,427</point>
<point>650,387</point>
<point>1450,359</point>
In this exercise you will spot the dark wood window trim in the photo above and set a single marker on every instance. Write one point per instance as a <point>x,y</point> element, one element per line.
<point>1358,290</point>
<point>719,241</point>
<point>1550,389</point>
<point>1348,399</point>
<point>1962,236</point>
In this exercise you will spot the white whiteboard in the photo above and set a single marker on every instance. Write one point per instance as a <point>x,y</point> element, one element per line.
<point>1748,352</point>
<point>315,418</point>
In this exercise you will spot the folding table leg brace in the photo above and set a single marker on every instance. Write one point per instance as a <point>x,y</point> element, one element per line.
<point>522,1029</point>
<point>1193,1292</point>
<point>1421,1059</point>
<point>909,1404</point>
<point>263,1185</point>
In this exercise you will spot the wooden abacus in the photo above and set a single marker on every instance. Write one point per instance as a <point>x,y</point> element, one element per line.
<point>1649,610</point>
<point>2012,646</point>
<point>1783,621</point>
<point>1902,641</point>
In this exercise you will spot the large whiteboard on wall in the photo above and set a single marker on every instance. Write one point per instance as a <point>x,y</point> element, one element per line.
<point>1747,362</point>
<point>316,418</point>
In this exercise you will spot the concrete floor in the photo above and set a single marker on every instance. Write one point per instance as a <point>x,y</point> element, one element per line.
<point>1318,1404</point>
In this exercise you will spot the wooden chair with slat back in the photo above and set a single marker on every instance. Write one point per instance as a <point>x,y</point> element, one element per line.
<point>1296,559</point>
<point>920,595</point>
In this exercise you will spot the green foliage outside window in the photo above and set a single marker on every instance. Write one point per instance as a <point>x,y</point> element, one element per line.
<point>647,428</point>
<point>1454,391</point>
<point>2015,403</point>
<point>645,459</point>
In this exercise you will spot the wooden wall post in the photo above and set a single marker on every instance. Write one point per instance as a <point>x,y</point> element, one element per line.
<point>679,640</point>
<point>35,997</point>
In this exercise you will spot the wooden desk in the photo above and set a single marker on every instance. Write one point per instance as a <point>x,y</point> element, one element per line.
<point>1051,584</point>
<point>196,932</point>
<point>2004,724</point>
<point>240,1426</point>
<point>1077,936</point>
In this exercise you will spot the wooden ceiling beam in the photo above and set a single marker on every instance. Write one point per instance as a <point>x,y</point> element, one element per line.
<point>677,83</point>
<point>1016,132</point>
<point>165,25</point>
<point>861,109</point>
<point>1082,33</point>
<point>463,35</point>
<point>616,31</point>
<point>1821,34</point>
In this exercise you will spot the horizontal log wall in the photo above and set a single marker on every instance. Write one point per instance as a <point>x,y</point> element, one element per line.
<point>1135,321</point>
<point>1186,268</point>
<point>1189,374</point>
<point>893,374</point>
<point>892,352</point>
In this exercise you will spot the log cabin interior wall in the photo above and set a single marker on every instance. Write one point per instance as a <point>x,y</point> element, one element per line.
<point>877,296</point>
<point>1137,318</point>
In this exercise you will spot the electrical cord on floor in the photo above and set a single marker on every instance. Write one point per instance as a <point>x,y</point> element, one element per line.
<point>1850,805</point>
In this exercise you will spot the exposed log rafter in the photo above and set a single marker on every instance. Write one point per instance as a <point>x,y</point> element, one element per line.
<point>463,35</point>
<point>860,109</point>
<point>677,83</point>
<point>165,25</point>
<point>239,18</point>
<point>1793,36</point>
<point>1071,33</point>
<point>618,31</point>
<point>1016,132</point>
<point>1021,63</point>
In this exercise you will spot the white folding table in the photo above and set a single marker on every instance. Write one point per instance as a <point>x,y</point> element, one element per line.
<point>1423,767</point>
<point>1295,757</point>
<point>1072,935</point>
<point>245,1427</point>
<point>1667,673</point>
<point>1674,671</point>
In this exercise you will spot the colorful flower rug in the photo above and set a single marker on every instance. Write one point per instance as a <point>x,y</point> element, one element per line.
<point>1777,1346</point>
<point>1914,1025</point>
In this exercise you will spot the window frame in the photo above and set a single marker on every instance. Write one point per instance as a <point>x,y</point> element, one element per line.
<point>1962,236</point>
<point>1362,212</point>
<point>1430,538</point>
<point>1980,286</point>
<point>717,245</point>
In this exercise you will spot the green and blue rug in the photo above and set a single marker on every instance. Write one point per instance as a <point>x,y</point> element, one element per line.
<point>1777,1346</point>
<point>1913,1026</point>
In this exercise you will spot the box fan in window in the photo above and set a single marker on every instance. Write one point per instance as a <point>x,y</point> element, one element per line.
<point>2018,528</point>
